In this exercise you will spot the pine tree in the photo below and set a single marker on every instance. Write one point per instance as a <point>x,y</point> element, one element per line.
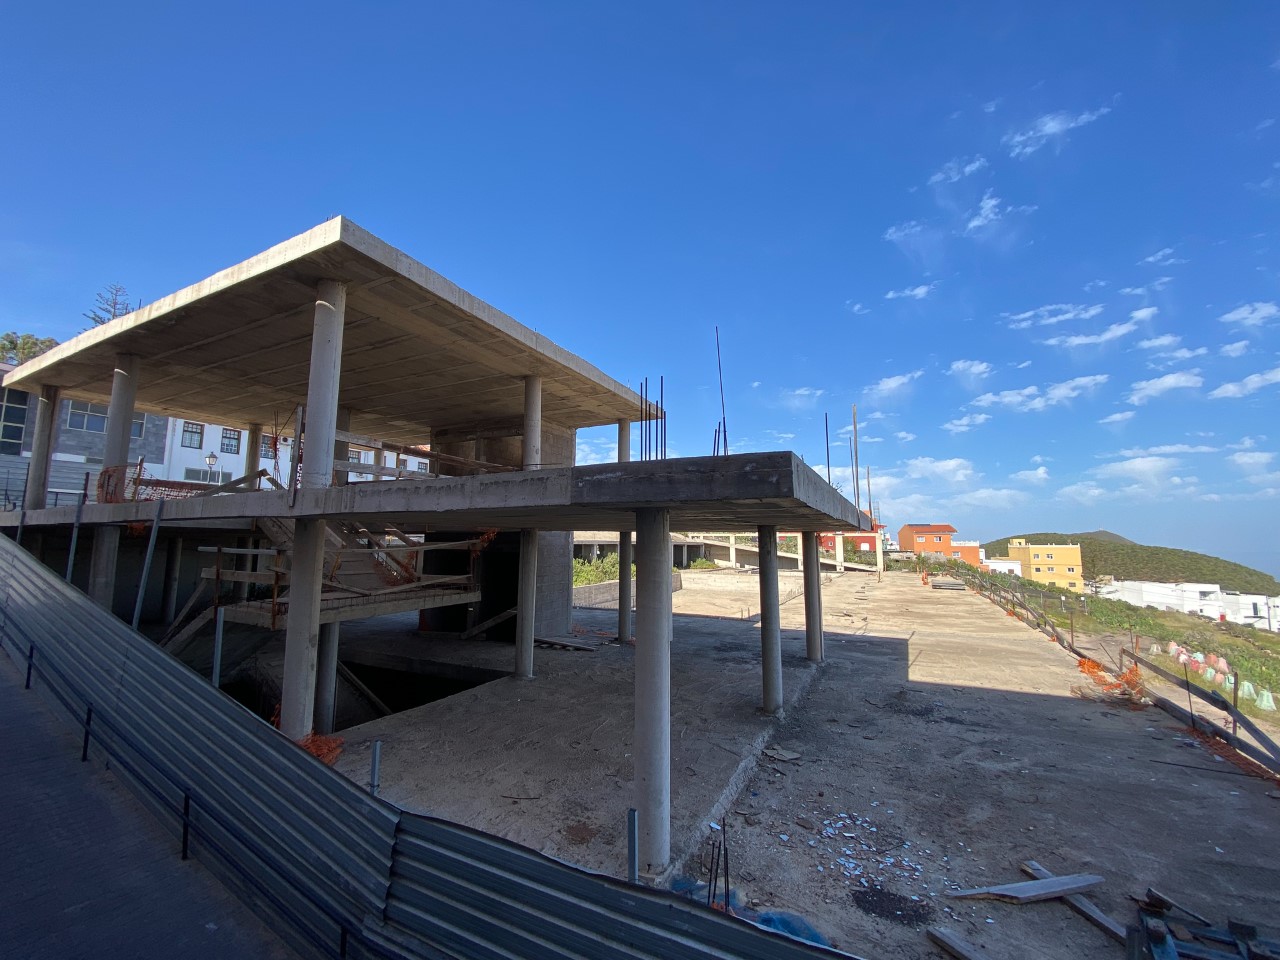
<point>18,348</point>
<point>112,302</point>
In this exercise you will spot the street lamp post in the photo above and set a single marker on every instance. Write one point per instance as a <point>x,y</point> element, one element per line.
<point>211,460</point>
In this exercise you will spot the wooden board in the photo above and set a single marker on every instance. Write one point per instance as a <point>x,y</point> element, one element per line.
<point>955,946</point>
<point>1029,891</point>
<point>1080,904</point>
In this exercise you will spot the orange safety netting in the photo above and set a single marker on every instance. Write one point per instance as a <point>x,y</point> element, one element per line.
<point>1128,682</point>
<point>131,482</point>
<point>323,748</point>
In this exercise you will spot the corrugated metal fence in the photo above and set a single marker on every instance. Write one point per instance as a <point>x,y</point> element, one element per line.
<point>352,875</point>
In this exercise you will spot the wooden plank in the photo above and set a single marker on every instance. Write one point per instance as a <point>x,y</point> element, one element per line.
<point>192,600</point>
<point>1080,904</point>
<point>482,627</point>
<point>955,946</point>
<point>241,551</point>
<point>242,576</point>
<point>570,642</point>
<point>1029,891</point>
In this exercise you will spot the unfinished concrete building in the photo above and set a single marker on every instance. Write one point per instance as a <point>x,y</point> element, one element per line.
<point>335,338</point>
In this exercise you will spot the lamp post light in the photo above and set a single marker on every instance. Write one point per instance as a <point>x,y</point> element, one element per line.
<point>211,460</point>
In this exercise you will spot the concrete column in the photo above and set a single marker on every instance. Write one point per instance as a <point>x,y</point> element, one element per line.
<point>302,631</point>
<point>532,423</point>
<point>653,688</point>
<point>341,448</point>
<point>625,555</point>
<point>322,384</point>
<point>528,587</point>
<point>801,559</point>
<point>526,603</point>
<point>124,390</point>
<point>37,490</point>
<point>326,677</point>
<point>812,597</point>
<point>839,553</point>
<point>733,549</point>
<point>770,620</point>
<point>106,540</point>
<point>879,552</point>
<point>253,453</point>
<point>172,581</point>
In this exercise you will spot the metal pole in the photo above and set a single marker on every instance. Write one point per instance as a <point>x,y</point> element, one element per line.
<point>375,767</point>
<point>186,823</point>
<point>216,678</point>
<point>826,432</point>
<point>22,522</point>
<point>633,846</point>
<point>75,529</point>
<point>1235,697</point>
<point>31,657</point>
<point>146,565</point>
<point>88,723</point>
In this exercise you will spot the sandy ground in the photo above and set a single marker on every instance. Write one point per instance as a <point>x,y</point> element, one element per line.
<point>939,745</point>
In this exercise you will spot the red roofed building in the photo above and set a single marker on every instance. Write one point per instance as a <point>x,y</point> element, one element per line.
<point>923,538</point>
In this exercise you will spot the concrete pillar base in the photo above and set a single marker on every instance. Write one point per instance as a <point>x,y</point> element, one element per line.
<point>302,631</point>
<point>526,604</point>
<point>102,566</point>
<point>812,597</point>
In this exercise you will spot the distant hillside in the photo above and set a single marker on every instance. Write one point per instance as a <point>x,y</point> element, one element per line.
<point>1102,535</point>
<point>1123,559</point>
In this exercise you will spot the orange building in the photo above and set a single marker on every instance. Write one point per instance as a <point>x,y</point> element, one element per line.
<point>939,538</point>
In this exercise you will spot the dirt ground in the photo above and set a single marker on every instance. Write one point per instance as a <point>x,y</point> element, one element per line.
<point>938,746</point>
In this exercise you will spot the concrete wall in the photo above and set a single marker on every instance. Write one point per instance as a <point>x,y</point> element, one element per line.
<point>604,596</point>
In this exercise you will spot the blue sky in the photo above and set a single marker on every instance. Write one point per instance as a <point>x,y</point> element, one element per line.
<point>1037,246</point>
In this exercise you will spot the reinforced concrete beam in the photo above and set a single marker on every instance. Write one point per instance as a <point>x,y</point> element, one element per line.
<point>625,555</point>
<point>812,597</point>
<point>770,620</point>
<point>322,384</point>
<point>37,489</point>
<point>106,540</point>
<point>526,603</point>
<point>326,677</point>
<point>653,688</point>
<point>302,631</point>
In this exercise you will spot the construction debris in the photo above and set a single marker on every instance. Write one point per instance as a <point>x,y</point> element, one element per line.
<point>955,946</point>
<point>1080,904</point>
<point>1029,891</point>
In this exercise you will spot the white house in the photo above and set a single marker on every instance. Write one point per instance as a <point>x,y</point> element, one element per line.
<point>1206,599</point>
<point>1004,565</point>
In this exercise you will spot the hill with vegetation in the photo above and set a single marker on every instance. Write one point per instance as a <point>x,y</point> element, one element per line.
<point>1125,560</point>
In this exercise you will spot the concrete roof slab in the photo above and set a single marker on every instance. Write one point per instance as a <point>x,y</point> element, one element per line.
<point>420,354</point>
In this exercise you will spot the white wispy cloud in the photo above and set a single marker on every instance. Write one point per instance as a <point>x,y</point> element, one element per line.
<point>988,498</point>
<point>901,231</point>
<point>891,385</point>
<point>1095,285</point>
<point>1120,417</point>
<point>1252,461</point>
<point>1052,313</point>
<point>1146,472</point>
<point>1113,332</point>
<point>1236,349</point>
<point>1145,390</point>
<point>904,436</point>
<point>912,293</point>
<point>988,212</point>
<point>1162,258</point>
<point>1085,493</point>
<point>966,423</point>
<point>1252,314</point>
<point>1155,286</point>
<point>974,369</point>
<point>800,398</point>
<point>1023,365</point>
<point>956,470</point>
<point>855,308</point>
<point>1166,340</point>
<point>1264,124</point>
<point>1143,314</point>
<point>1038,475</point>
<point>1167,449</point>
<point>1048,128</point>
<point>991,105</point>
<point>1250,384</point>
<point>1031,400</point>
<point>1183,353</point>
<point>957,169</point>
